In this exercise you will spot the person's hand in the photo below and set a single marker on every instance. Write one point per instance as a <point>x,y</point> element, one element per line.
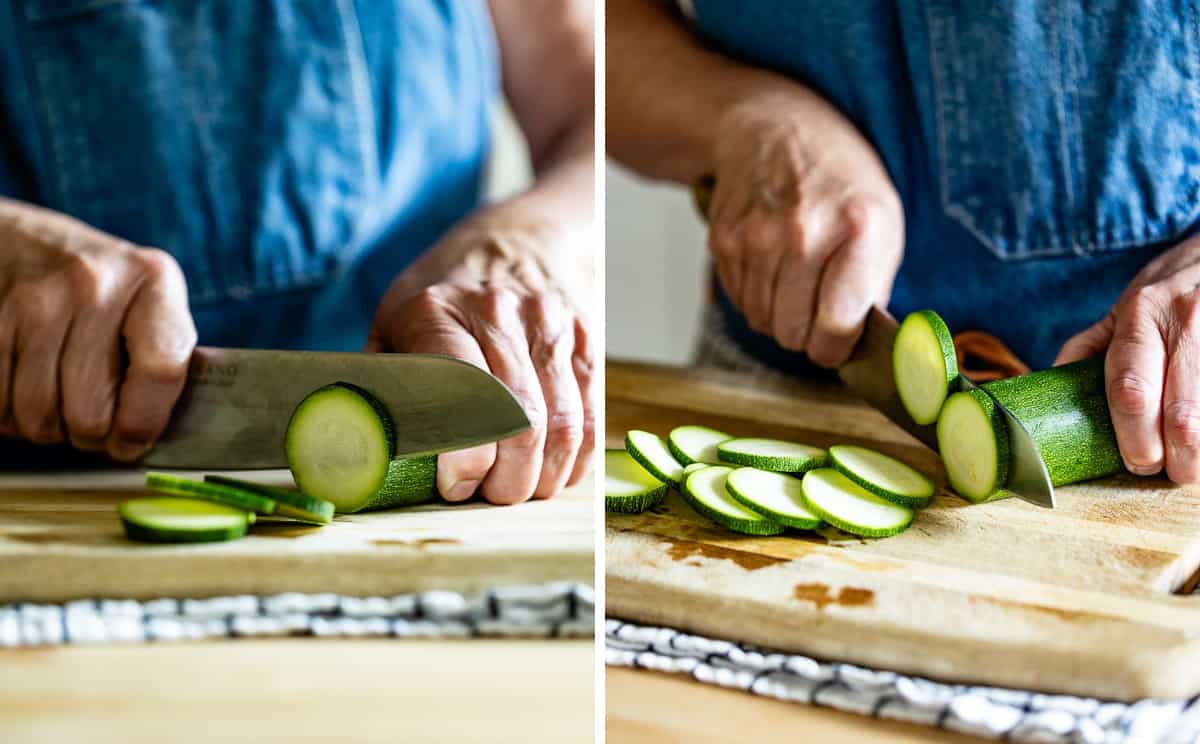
<point>1152,368</point>
<point>95,335</point>
<point>805,227</point>
<point>498,295</point>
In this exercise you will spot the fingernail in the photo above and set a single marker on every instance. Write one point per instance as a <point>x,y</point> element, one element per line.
<point>462,490</point>
<point>127,449</point>
<point>1143,469</point>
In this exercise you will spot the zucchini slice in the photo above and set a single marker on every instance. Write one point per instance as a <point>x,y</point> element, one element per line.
<point>850,507</point>
<point>653,454</point>
<point>776,496</point>
<point>215,492</point>
<point>340,442</point>
<point>628,487</point>
<point>291,504</point>
<point>973,442</point>
<point>171,519</point>
<point>772,454</point>
<point>882,475</point>
<point>924,365</point>
<point>692,444</point>
<point>704,489</point>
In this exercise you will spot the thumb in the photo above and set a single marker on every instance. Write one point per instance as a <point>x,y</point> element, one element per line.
<point>1088,342</point>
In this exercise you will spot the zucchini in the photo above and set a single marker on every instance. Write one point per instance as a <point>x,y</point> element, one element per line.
<point>776,496</point>
<point>691,444</point>
<point>171,519</point>
<point>340,443</point>
<point>652,453</point>
<point>850,507</point>
<point>924,365</point>
<point>217,493</point>
<point>292,504</point>
<point>772,454</point>
<point>973,443</point>
<point>1066,412</point>
<point>704,489</point>
<point>883,476</point>
<point>628,487</point>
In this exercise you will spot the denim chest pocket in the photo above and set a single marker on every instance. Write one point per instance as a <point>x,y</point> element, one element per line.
<point>1062,130</point>
<point>236,135</point>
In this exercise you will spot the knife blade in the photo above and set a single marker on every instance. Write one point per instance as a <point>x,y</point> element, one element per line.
<point>868,372</point>
<point>236,404</point>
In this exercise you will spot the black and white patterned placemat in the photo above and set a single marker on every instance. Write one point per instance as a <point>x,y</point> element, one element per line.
<point>536,611</point>
<point>1011,715</point>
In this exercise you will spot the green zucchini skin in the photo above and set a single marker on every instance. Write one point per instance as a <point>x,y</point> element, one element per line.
<point>239,498</point>
<point>409,481</point>
<point>1066,412</point>
<point>291,504</point>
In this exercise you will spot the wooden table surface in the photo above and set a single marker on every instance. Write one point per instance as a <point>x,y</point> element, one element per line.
<point>644,707</point>
<point>300,690</point>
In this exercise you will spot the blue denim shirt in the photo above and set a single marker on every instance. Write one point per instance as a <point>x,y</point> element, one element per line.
<point>293,156</point>
<point>1044,152</point>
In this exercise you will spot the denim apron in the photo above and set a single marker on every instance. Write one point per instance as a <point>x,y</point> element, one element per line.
<point>1044,152</point>
<point>293,155</point>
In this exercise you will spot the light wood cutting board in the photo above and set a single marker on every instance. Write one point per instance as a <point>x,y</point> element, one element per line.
<point>1077,600</point>
<point>60,539</point>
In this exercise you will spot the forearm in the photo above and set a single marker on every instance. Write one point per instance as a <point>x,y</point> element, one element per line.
<point>666,93</point>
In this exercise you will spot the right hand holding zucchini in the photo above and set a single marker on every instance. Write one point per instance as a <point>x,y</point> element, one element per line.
<point>806,227</point>
<point>72,301</point>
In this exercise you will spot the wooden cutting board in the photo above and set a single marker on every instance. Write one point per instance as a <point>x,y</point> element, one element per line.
<point>1078,600</point>
<point>60,539</point>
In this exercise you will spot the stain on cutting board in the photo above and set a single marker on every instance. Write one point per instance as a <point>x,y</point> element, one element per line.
<point>820,595</point>
<point>681,550</point>
<point>418,543</point>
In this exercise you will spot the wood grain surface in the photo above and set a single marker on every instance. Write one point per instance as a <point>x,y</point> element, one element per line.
<point>1076,600</point>
<point>644,707</point>
<point>302,690</point>
<point>60,539</point>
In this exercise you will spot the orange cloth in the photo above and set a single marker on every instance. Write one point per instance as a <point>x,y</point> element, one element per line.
<point>995,359</point>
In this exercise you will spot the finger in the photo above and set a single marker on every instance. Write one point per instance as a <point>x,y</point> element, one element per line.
<point>796,285</point>
<point>42,329</point>
<point>459,473</point>
<point>91,370</point>
<point>852,280</point>
<point>1133,371</point>
<point>584,362</point>
<point>1086,343</point>
<point>8,332</point>
<point>1181,394</point>
<point>550,331</point>
<point>159,337</point>
<point>498,328</point>
<point>725,249</point>
<point>762,252</point>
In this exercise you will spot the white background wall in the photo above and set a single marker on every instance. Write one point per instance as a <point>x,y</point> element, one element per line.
<point>655,265</point>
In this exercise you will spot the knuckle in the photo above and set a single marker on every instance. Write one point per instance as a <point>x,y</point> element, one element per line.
<point>160,368</point>
<point>1181,421</point>
<point>88,426</point>
<point>1145,300</point>
<point>564,432</point>
<point>85,277</point>
<point>498,306</point>
<point>859,215</point>
<point>721,242</point>
<point>39,427</point>
<point>1187,311</point>
<point>155,264</point>
<point>1130,394</point>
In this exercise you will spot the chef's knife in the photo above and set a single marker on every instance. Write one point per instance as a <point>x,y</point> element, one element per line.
<point>868,372</point>
<point>236,404</point>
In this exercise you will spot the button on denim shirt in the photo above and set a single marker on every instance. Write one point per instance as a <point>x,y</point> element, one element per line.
<point>1044,150</point>
<point>293,156</point>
